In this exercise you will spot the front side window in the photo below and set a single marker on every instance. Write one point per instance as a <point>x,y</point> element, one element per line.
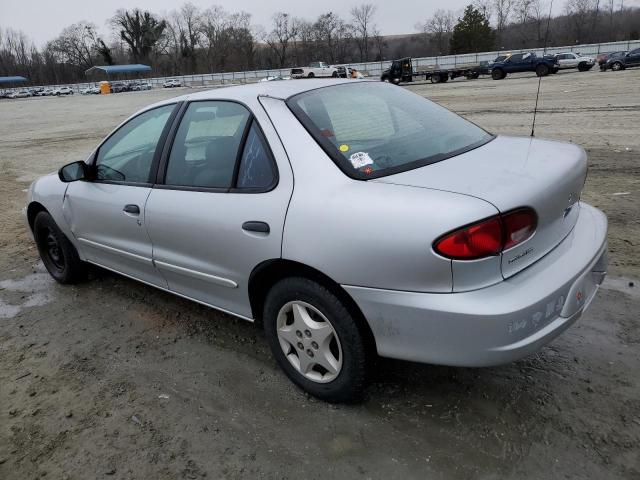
<point>127,155</point>
<point>206,145</point>
<point>374,129</point>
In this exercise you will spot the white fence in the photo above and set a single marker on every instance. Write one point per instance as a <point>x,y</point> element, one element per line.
<point>372,69</point>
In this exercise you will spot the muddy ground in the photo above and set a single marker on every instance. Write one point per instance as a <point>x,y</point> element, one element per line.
<point>113,379</point>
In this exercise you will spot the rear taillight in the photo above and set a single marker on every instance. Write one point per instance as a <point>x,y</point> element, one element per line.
<point>518,226</point>
<point>488,237</point>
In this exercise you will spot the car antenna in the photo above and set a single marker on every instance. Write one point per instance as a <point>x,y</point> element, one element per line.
<point>546,38</point>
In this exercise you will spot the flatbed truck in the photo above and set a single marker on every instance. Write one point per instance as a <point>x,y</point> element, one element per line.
<point>403,70</point>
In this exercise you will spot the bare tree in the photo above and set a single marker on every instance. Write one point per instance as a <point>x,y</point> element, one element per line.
<point>283,33</point>
<point>77,44</point>
<point>502,9</point>
<point>438,29</point>
<point>578,13</point>
<point>362,18</point>
<point>186,23</point>
<point>330,34</point>
<point>485,7</point>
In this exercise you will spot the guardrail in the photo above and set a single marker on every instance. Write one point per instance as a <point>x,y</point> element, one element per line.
<point>372,69</point>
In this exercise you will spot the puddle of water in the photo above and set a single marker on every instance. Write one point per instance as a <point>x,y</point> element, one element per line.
<point>8,311</point>
<point>621,284</point>
<point>38,285</point>
<point>31,283</point>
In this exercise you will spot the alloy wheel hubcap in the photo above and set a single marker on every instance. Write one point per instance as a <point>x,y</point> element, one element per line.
<point>309,341</point>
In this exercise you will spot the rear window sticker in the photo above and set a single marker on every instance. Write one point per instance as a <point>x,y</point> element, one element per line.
<point>360,159</point>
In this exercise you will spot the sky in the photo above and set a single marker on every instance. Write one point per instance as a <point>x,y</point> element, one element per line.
<point>42,20</point>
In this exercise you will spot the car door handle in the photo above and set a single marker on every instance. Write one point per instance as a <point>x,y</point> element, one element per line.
<point>259,227</point>
<point>131,209</point>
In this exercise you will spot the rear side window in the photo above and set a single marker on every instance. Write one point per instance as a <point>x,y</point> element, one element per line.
<point>375,129</point>
<point>256,167</point>
<point>206,145</point>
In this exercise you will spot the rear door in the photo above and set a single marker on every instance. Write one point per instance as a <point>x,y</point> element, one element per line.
<point>219,206</point>
<point>107,214</point>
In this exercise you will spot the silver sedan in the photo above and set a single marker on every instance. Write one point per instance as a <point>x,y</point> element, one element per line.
<point>350,218</point>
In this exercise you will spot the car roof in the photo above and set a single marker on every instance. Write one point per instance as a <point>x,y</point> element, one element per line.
<point>282,90</point>
<point>247,93</point>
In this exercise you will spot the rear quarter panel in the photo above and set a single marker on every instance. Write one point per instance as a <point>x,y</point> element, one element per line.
<point>365,233</point>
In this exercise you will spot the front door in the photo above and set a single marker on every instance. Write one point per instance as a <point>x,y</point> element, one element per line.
<point>220,209</point>
<point>106,213</point>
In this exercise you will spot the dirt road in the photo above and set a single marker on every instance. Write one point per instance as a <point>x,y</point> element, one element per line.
<point>113,379</point>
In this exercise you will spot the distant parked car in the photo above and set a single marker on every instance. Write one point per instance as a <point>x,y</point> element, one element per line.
<point>315,69</point>
<point>171,83</point>
<point>138,86</point>
<point>20,94</point>
<point>574,60</point>
<point>117,87</point>
<point>603,57</point>
<point>92,90</point>
<point>620,62</point>
<point>48,92</point>
<point>63,91</point>
<point>524,62</point>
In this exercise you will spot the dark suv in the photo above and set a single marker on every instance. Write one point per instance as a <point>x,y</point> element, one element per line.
<point>620,62</point>
<point>523,62</point>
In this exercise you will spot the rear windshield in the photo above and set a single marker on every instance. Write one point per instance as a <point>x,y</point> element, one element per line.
<point>373,129</point>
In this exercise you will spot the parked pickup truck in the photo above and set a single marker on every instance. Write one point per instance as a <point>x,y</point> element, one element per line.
<point>523,62</point>
<point>315,69</point>
<point>403,70</point>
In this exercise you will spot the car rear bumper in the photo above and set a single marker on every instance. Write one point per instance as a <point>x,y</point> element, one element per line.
<point>496,324</point>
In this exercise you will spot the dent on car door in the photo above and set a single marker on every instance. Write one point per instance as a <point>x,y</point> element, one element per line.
<point>219,208</point>
<point>106,213</point>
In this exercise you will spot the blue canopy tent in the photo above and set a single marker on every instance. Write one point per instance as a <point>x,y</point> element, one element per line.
<point>8,80</point>
<point>118,69</point>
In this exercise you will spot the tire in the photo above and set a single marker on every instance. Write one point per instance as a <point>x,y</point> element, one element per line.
<point>346,348</point>
<point>498,74</point>
<point>617,66</point>
<point>542,70</point>
<point>435,78</point>
<point>311,75</point>
<point>334,74</point>
<point>444,78</point>
<point>583,67</point>
<point>56,251</point>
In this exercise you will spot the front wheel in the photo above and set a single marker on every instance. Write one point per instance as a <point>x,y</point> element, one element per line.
<point>56,251</point>
<point>617,67</point>
<point>311,75</point>
<point>334,74</point>
<point>315,340</point>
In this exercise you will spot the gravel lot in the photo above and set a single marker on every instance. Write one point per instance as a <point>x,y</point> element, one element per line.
<point>114,379</point>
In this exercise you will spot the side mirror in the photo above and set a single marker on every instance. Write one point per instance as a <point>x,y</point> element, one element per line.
<point>73,172</point>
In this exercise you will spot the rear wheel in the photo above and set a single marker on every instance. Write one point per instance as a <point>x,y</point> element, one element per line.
<point>435,78</point>
<point>334,74</point>
<point>542,70</point>
<point>498,74</point>
<point>311,75</point>
<point>56,251</point>
<point>315,340</point>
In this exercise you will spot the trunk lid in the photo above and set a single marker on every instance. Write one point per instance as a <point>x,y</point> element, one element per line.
<point>512,172</point>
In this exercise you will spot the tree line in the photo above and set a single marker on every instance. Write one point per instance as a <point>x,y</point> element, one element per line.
<point>192,40</point>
